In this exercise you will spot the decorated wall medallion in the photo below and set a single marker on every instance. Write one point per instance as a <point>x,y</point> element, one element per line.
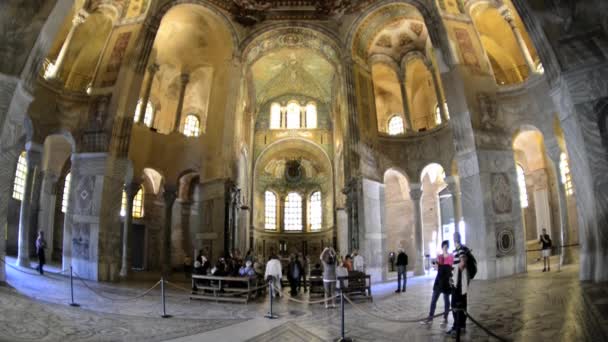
<point>505,241</point>
<point>501,193</point>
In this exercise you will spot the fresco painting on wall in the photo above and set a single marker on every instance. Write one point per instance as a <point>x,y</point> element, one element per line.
<point>115,60</point>
<point>467,50</point>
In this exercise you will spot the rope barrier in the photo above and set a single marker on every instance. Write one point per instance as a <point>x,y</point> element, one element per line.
<point>313,301</point>
<point>177,286</point>
<point>417,320</point>
<point>99,294</point>
<point>557,247</point>
<point>19,269</point>
<point>486,330</point>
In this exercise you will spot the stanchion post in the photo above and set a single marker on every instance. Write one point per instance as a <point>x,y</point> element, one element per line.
<point>162,296</point>
<point>72,303</point>
<point>342,338</point>
<point>270,315</point>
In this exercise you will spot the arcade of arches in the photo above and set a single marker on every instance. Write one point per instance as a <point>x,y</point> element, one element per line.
<point>136,133</point>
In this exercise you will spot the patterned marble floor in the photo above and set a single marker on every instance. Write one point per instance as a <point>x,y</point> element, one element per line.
<point>534,306</point>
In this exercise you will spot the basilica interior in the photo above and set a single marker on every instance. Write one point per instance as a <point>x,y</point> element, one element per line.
<point>136,133</point>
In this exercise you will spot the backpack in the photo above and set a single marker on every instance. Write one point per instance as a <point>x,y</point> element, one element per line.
<point>471,264</point>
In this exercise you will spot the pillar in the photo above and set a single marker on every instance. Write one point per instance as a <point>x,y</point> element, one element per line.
<point>508,16</point>
<point>152,69</point>
<point>46,214</point>
<point>406,105</point>
<point>185,78</point>
<point>79,18</point>
<point>454,189</point>
<point>169,196</point>
<point>29,204</point>
<point>127,227</point>
<point>415,195</point>
<point>566,254</point>
<point>438,92</point>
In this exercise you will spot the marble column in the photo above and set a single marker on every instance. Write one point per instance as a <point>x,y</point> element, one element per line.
<point>416,195</point>
<point>438,92</point>
<point>454,189</point>
<point>185,78</point>
<point>566,254</point>
<point>78,19</point>
<point>127,227</point>
<point>46,213</point>
<point>152,69</point>
<point>169,196</point>
<point>29,204</point>
<point>406,105</point>
<point>508,16</point>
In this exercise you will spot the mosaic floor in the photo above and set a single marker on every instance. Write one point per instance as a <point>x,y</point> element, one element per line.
<point>534,306</point>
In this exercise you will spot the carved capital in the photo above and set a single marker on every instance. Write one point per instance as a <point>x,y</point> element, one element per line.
<point>80,17</point>
<point>415,192</point>
<point>153,68</point>
<point>185,79</point>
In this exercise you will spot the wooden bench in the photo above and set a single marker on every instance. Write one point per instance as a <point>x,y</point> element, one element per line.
<point>228,289</point>
<point>359,283</point>
<point>315,285</point>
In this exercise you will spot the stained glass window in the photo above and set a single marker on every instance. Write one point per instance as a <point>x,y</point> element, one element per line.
<point>192,127</point>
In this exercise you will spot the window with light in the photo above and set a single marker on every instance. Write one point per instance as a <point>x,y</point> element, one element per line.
<point>270,211</point>
<point>20,175</point>
<point>138,204</point>
<point>521,183</point>
<point>315,211</point>
<point>275,116</point>
<point>311,115</point>
<point>148,114</point>
<point>66,193</point>
<point>564,168</point>
<point>192,126</point>
<point>293,212</point>
<point>438,115</point>
<point>293,115</point>
<point>395,125</point>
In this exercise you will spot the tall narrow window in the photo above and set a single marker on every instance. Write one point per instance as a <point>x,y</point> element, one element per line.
<point>438,115</point>
<point>395,125</point>
<point>148,113</point>
<point>293,212</point>
<point>564,169</point>
<point>311,115</point>
<point>521,183</point>
<point>66,193</point>
<point>293,115</point>
<point>192,127</point>
<point>270,210</point>
<point>20,175</point>
<point>315,211</point>
<point>138,204</point>
<point>275,116</point>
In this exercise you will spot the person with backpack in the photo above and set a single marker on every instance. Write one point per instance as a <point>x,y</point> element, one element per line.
<point>545,242</point>
<point>401,270</point>
<point>295,274</point>
<point>465,269</point>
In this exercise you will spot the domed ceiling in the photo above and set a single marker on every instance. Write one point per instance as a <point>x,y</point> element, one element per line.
<point>400,37</point>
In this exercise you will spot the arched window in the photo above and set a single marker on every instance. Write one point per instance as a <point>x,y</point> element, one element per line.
<point>275,116</point>
<point>521,184</point>
<point>564,168</point>
<point>293,115</point>
<point>138,204</point>
<point>315,211</point>
<point>437,115</point>
<point>395,125</point>
<point>66,193</point>
<point>20,175</point>
<point>192,127</point>
<point>311,115</point>
<point>148,114</point>
<point>293,212</point>
<point>270,210</point>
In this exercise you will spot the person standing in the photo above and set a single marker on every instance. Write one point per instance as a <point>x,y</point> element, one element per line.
<point>328,258</point>
<point>444,265</point>
<point>401,270</point>
<point>273,274</point>
<point>459,283</point>
<point>545,242</point>
<point>294,274</point>
<point>40,247</point>
<point>358,262</point>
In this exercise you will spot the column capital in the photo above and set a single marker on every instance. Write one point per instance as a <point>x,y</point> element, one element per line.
<point>185,79</point>
<point>415,191</point>
<point>80,17</point>
<point>452,184</point>
<point>131,189</point>
<point>153,68</point>
<point>169,195</point>
<point>506,13</point>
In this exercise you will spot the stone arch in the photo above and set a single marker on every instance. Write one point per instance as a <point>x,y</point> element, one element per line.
<point>432,181</point>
